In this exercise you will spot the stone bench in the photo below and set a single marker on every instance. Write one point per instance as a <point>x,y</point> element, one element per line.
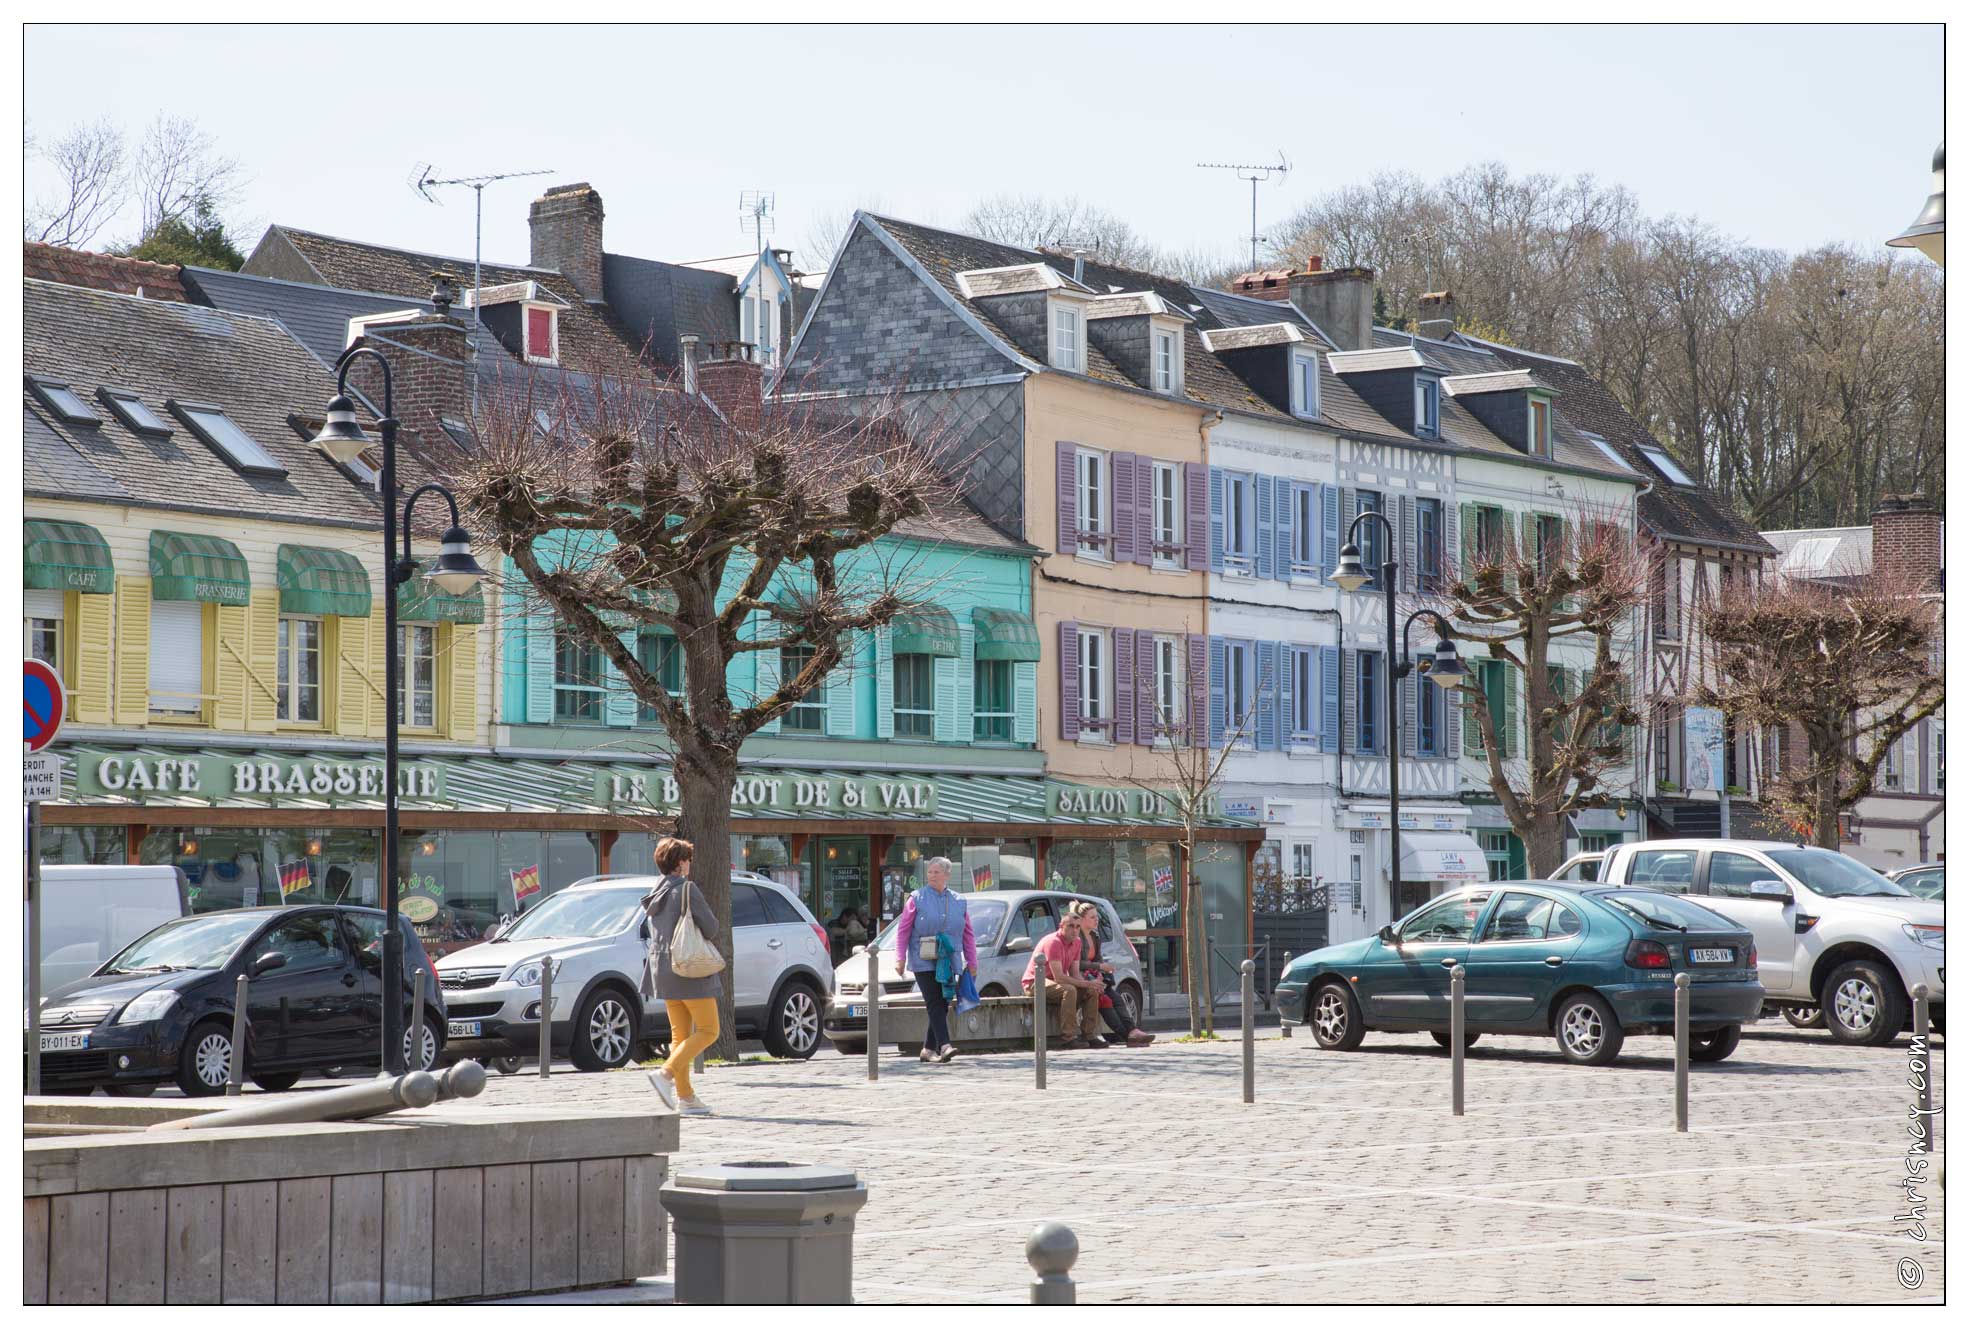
<point>997,1024</point>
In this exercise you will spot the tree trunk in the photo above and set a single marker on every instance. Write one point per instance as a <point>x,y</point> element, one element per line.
<point>1196,977</point>
<point>704,788</point>
<point>1825,826</point>
<point>1545,844</point>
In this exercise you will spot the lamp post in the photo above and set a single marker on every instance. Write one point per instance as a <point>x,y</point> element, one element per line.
<point>1925,231</point>
<point>1445,669</point>
<point>455,572</point>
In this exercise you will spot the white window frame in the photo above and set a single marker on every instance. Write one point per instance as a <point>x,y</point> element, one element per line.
<point>597,689</point>
<point>1306,386</point>
<point>553,356</point>
<point>1428,407</point>
<point>176,705</point>
<point>37,621</point>
<point>1093,513</point>
<point>287,672</point>
<point>1166,359</point>
<point>1305,539</point>
<point>928,714</point>
<point>1166,515</point>
<point>1299,659</point>
<point>1170,686</point>
<point>1066,337</point>
<point>1096,685</point>
<point>1892,767</point>
<point>1236,705</point>
<point>408,692</point>
<point>1238,494</point>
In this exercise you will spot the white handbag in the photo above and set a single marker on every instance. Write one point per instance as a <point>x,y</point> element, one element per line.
<point>691,956</point>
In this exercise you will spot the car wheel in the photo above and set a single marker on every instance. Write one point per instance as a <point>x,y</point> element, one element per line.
<point>1441,1036</point>
<point>129,1090</point>
<point>604,1031</point>
<point>1128,1005</point>
<point>427,1056</point>
<point>205,1060</point>
<point>278,1082</point>
<point>1804,1017</point>
<point>793,1029</point>
<point>506,1065</point>
<point>1716,1044</point>
<point>1336,1018</point>
<point>1588,1032</point>
<point>1863,1004</point>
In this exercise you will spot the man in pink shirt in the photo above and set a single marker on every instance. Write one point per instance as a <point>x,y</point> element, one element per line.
<point>1079,998</point>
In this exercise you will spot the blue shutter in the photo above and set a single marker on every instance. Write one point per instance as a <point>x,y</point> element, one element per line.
<point>1266,541</point>
<point>1217,691</point>
<point>1025,702</point>
<point>1284,510</point>
<point>765,666</point>
<point>839,690</point>
<point>619,705</point>
<point>967,681</point>
<point>1288,666</point>
<point>1329,698</point>
<point>885,685</point>
<point>943,698</point>
<point>1329,545</point>
<point>1217,538</point>
<point>1266,655</point>
<point>540,667</point>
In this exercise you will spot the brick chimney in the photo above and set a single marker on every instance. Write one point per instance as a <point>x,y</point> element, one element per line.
<point>1339,300</point>
<point>566,222</point>
<point>1907,539</point>
<point>430,368</point>
<point>1435,315</point>
<point>734,383</point>
<point>1264,284</point>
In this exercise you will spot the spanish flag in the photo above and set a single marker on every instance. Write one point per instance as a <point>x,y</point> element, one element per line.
<point>294,877</point>
<point>526,881</point>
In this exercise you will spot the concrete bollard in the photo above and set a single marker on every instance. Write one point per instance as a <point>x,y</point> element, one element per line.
<point>1456,1041</point>
<point>1682,1052</point>
<point>764,1234</point>
<point>1039,1027</point>
<point>1051,1250</point>
<point>413,1056</point>
<point>1250,1034</point>
<point>236,1073</point>
<point>546,1018</point>
<point>1924,1090</point>
<point>874,954</point>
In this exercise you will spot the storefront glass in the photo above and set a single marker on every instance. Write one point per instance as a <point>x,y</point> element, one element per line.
<point>83,844</point>
<point>233,869</point>
<point>1140,877</point>
<point>977,864</point>
<point>457,885</point>
<point>1220,871</point>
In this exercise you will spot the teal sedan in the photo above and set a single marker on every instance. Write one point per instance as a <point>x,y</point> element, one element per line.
<point>1587,965</point>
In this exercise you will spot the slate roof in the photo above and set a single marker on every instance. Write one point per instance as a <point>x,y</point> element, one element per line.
<point>317,316</point>
<point>1475,385</point>
<point>50,466</point>
<point>102,272</point>
<point>1257,334</point>
<point>1374,359</point>
<point>657,302</point>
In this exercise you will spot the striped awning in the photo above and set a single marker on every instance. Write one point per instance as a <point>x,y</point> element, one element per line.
<point>67,556</point>
<point>198,567</point>
<point>420,601</point>
<point>322,581</point>
<point>1005,634</point>
<point>925,630</point>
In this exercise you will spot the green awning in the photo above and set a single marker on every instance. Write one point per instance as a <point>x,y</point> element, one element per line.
<point>418,601</point>
<point>1005,634</point>
<point>322,581</point>
<point>197,567</point>
<point>924,630</point>
<point>68,556</point>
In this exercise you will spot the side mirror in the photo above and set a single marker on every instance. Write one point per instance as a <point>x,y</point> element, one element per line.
<point>267,963</point>
<point>1386,935</point>
<point>1017,944</point>
<point>645,927</point>
<point>1770,889</point>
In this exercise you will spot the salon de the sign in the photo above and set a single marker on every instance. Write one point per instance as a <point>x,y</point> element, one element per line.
<point>789,793</point>
<point>315,779</point>
<point>1070,800</point>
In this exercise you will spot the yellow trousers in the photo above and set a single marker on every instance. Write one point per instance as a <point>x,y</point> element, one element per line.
<point>693,1028</point>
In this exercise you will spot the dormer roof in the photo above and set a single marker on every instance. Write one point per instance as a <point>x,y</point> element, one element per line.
<point>512,292</point>
<point>1256,335</point>
<point>1136,304</point>
<point>1380,358</point>
<point>1020,279</point>
<point>1507,380</point>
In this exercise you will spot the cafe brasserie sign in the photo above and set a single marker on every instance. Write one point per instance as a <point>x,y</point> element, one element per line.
<point>315,779</point>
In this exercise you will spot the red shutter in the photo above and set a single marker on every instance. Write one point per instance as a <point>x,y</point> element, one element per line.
<point>540,334</point>
<point>1070,681</point>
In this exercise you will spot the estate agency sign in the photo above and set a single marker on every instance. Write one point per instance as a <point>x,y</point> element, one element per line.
<point>788,794</point>
<point>272,778</point>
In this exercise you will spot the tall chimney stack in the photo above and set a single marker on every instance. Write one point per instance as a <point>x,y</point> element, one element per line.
<point>1339,300</point>
<point>566,222</point>
<point>735,385</point>
<point>1435,315</point>
<point>1907,540</point>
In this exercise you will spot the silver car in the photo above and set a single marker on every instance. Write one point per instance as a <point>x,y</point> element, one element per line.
<point>1006,926</point>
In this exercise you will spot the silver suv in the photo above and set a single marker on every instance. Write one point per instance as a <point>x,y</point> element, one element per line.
<point>1006,926</point>
<point>597,936</point>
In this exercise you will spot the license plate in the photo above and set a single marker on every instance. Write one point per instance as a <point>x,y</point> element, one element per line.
<point>854,1012</point>
<point>63,1042</point>
<point>1712,955</point>
<point>462,1029</point>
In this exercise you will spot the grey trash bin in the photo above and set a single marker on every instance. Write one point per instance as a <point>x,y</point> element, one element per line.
<point>765,1234</point>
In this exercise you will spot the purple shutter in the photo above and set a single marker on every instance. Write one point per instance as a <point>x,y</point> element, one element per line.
<point>1196,516</point>
<point>1144,513</point>
<point>1197,678</point>
<point>1069,681</point>
<point>1145,689</point>
<point>1125,684</point>
<point>1067,498</point>
<point>1123,481</point>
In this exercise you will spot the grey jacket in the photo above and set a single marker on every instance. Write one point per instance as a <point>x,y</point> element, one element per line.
<point>664,906</point>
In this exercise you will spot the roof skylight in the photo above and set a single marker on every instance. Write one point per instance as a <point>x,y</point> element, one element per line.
<point>228,439</point>
<point>1667,466</point>
<point>130,409</point>
<point>1607,451</point>
<point>65,402</point>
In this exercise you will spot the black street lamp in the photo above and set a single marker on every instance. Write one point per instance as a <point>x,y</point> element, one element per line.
<point>1925,231</point>
<point>1445,669</point>
<point>455,572</point>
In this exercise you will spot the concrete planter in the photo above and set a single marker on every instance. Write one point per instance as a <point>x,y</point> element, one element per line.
<point>765,1234</point>
<point>996,1024</point>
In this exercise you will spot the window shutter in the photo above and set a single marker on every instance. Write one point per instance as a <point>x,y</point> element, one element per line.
<point>1144,510</point>
<point>1146,694</point>
<point>1329,706</point>
<point>1329,547</point>
<point>263,661</point>
<point>1218,690</point>
<point>1123,482</point>
<point>1066,497</point>
<point>1125,685</point>
<point>1451,742</point>
<point>1197,679</point>
<point>349,639</point>
<point>1405,507</point>
<point>540,333</point>
<point>133,650</point>
<point>619,704</point>
<point>1196,516</point>
<point>1409,702</point>
<point>378,713</point>
<point>540,667</point>
<point>1282,515</point>
<point>231,626</point>
<point>1266,724</point>
<point>1473,732</point>
<point>1217,537</point>
<point>1267,526</point>
<point>1069,680</point>
<point>1469,527</point>
<point>462,700</point>
<point>839,691</point>
<point>966,665</point>
<point>177,653</point>
<point>1350,687</point>
<point>885,684</point>
<point>943,698</point>
<point>1025,702</point>
<point>766,676</point>
<point>1511,742</point>
<point>1286,661</point>
<point>91,681</point>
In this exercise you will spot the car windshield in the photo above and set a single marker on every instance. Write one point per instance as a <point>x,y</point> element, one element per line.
<point>1927,885</point>
<point>986,915</point>
<point>600,913</point>
<point>203,942</point>
<point>1834,874</point>
<point>1676,912</point>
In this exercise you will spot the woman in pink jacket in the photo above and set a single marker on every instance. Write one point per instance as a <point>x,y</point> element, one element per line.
<point>934,942</point>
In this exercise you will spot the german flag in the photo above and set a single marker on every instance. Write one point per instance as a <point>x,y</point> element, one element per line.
<point>294,877</point>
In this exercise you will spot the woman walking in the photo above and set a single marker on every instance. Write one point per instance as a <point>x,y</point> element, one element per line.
<point>934,942</point>
<point>691,1003</point>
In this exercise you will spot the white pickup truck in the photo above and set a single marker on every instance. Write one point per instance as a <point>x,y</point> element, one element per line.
<point>1834,938</point>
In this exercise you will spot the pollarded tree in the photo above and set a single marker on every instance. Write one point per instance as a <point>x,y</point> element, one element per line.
<point>1529,597</point>
<point>627,504</point>
<point>1851,663</point>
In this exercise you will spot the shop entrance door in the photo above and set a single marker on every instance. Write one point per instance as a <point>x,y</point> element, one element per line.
<point>840,876</point>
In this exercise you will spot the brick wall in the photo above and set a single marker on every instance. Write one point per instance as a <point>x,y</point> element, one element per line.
<point>734,387</point>
<point>1907,539</point>
<point>430,373</point>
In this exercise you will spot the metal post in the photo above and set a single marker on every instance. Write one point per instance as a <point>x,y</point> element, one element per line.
<point>1456,1041</point>
<point>1151,950</point>
<point>33,948</point>
<point>1250,1035</point>
<point>1924,1089</point>
<point>414,1054</point>
<point>1051,1250</point>
<point>237,1072</point>
<point>1038,1028</point>
<point>874,954</point>
<point>546,1017</point>
<point>1681,1052</point>
<point>392,667</point>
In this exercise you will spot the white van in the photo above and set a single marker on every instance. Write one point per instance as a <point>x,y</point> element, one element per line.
<point>90,911</point>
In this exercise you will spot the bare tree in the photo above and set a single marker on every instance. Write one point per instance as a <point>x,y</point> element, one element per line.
<point>89,162</point>
<point>640,507</point>
<point>177,169</point>
<point>1850,664</point>
<point>1031,221</point>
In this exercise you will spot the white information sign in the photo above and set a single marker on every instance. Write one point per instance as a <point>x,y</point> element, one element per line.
<point>41,777</point>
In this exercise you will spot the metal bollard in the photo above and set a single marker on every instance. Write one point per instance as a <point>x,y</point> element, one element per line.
<point>236,1073</point>
<point>413,1057</point>
<point>1250,1035</point>
<point>546,1018</point>
<point>1038,1031</point>
<point>1681,1052</point>
<point>1924,1090</point>
<point>1051,1250</point>
<point>1456,1041</point>
<point>874,1010</point>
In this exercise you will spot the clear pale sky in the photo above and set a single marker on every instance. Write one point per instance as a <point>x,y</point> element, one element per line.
<point>1786,136</point>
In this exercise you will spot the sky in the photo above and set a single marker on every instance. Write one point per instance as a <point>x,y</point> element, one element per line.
<point>1788,137</point>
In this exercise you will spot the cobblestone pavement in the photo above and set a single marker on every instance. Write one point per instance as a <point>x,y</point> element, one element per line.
<point>1349,1179</point>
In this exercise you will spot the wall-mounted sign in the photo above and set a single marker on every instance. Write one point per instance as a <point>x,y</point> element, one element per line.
<point>789,795</point>
<point>272,778</point>
<point>1702,730</point>
<point>1079,800</point>
<point>1411,821</point>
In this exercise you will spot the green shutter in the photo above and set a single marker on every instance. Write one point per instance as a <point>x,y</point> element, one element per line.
<point>766,664</point>
<point>1516,858</point>
<point>885,685</point>
<point>539,667</point>
<point>1467,534</point>
<point>1513,744</point>
<point>839,690</point>
<point>67,556</point>
<point>925,630</point>
<point>198,567</point>
<point>967,684</point>
<point>1025,702</point>
<point>1005,634</point>
<point>321,581</point>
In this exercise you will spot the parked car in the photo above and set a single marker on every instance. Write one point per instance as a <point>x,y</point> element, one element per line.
<point>1006,926</point>
<point>90,911</point>
<point>596,934</point>
<point>1923,880</point>
<point>1587,965</point>
<point>1581,867</point>
<point>160,1011</point>
<point>1833,936</point>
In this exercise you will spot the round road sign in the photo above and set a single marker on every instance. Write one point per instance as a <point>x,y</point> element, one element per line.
<point>45,703</point>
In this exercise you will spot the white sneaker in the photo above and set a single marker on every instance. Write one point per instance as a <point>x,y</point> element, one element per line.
<point>666,1088</point>
<point>693,1107</point>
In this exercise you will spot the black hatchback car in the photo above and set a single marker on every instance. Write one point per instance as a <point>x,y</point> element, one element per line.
<point>161,1010</point>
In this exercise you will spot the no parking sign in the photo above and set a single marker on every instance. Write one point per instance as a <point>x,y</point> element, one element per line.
<point>44,702</point>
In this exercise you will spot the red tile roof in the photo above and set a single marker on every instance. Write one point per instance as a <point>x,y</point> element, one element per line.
<point>103,272</point>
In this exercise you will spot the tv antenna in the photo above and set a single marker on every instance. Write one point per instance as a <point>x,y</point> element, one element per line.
<point>424,183</point>
<point>755,213</point>
<point>1255,174</point>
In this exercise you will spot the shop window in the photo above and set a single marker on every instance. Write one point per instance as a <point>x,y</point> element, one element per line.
<point>662,658</point>
<point>578,693</point>
<point>177,658</point>
<point>1497,853</point>
<point>84,844</point>
<point>417,683</point>
<point>809,714</point>
<point>991,706</point>
<point>914,698</point>
<point>41,627</point>
<point>233,868</point>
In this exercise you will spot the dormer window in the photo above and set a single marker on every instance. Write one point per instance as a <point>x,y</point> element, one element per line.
<point>1167,367</point>
<point>1306,386</point>
<point>1067,346</point>
<point>1428,408</point>
<point>542,335</point>
<point>1539,427</point>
